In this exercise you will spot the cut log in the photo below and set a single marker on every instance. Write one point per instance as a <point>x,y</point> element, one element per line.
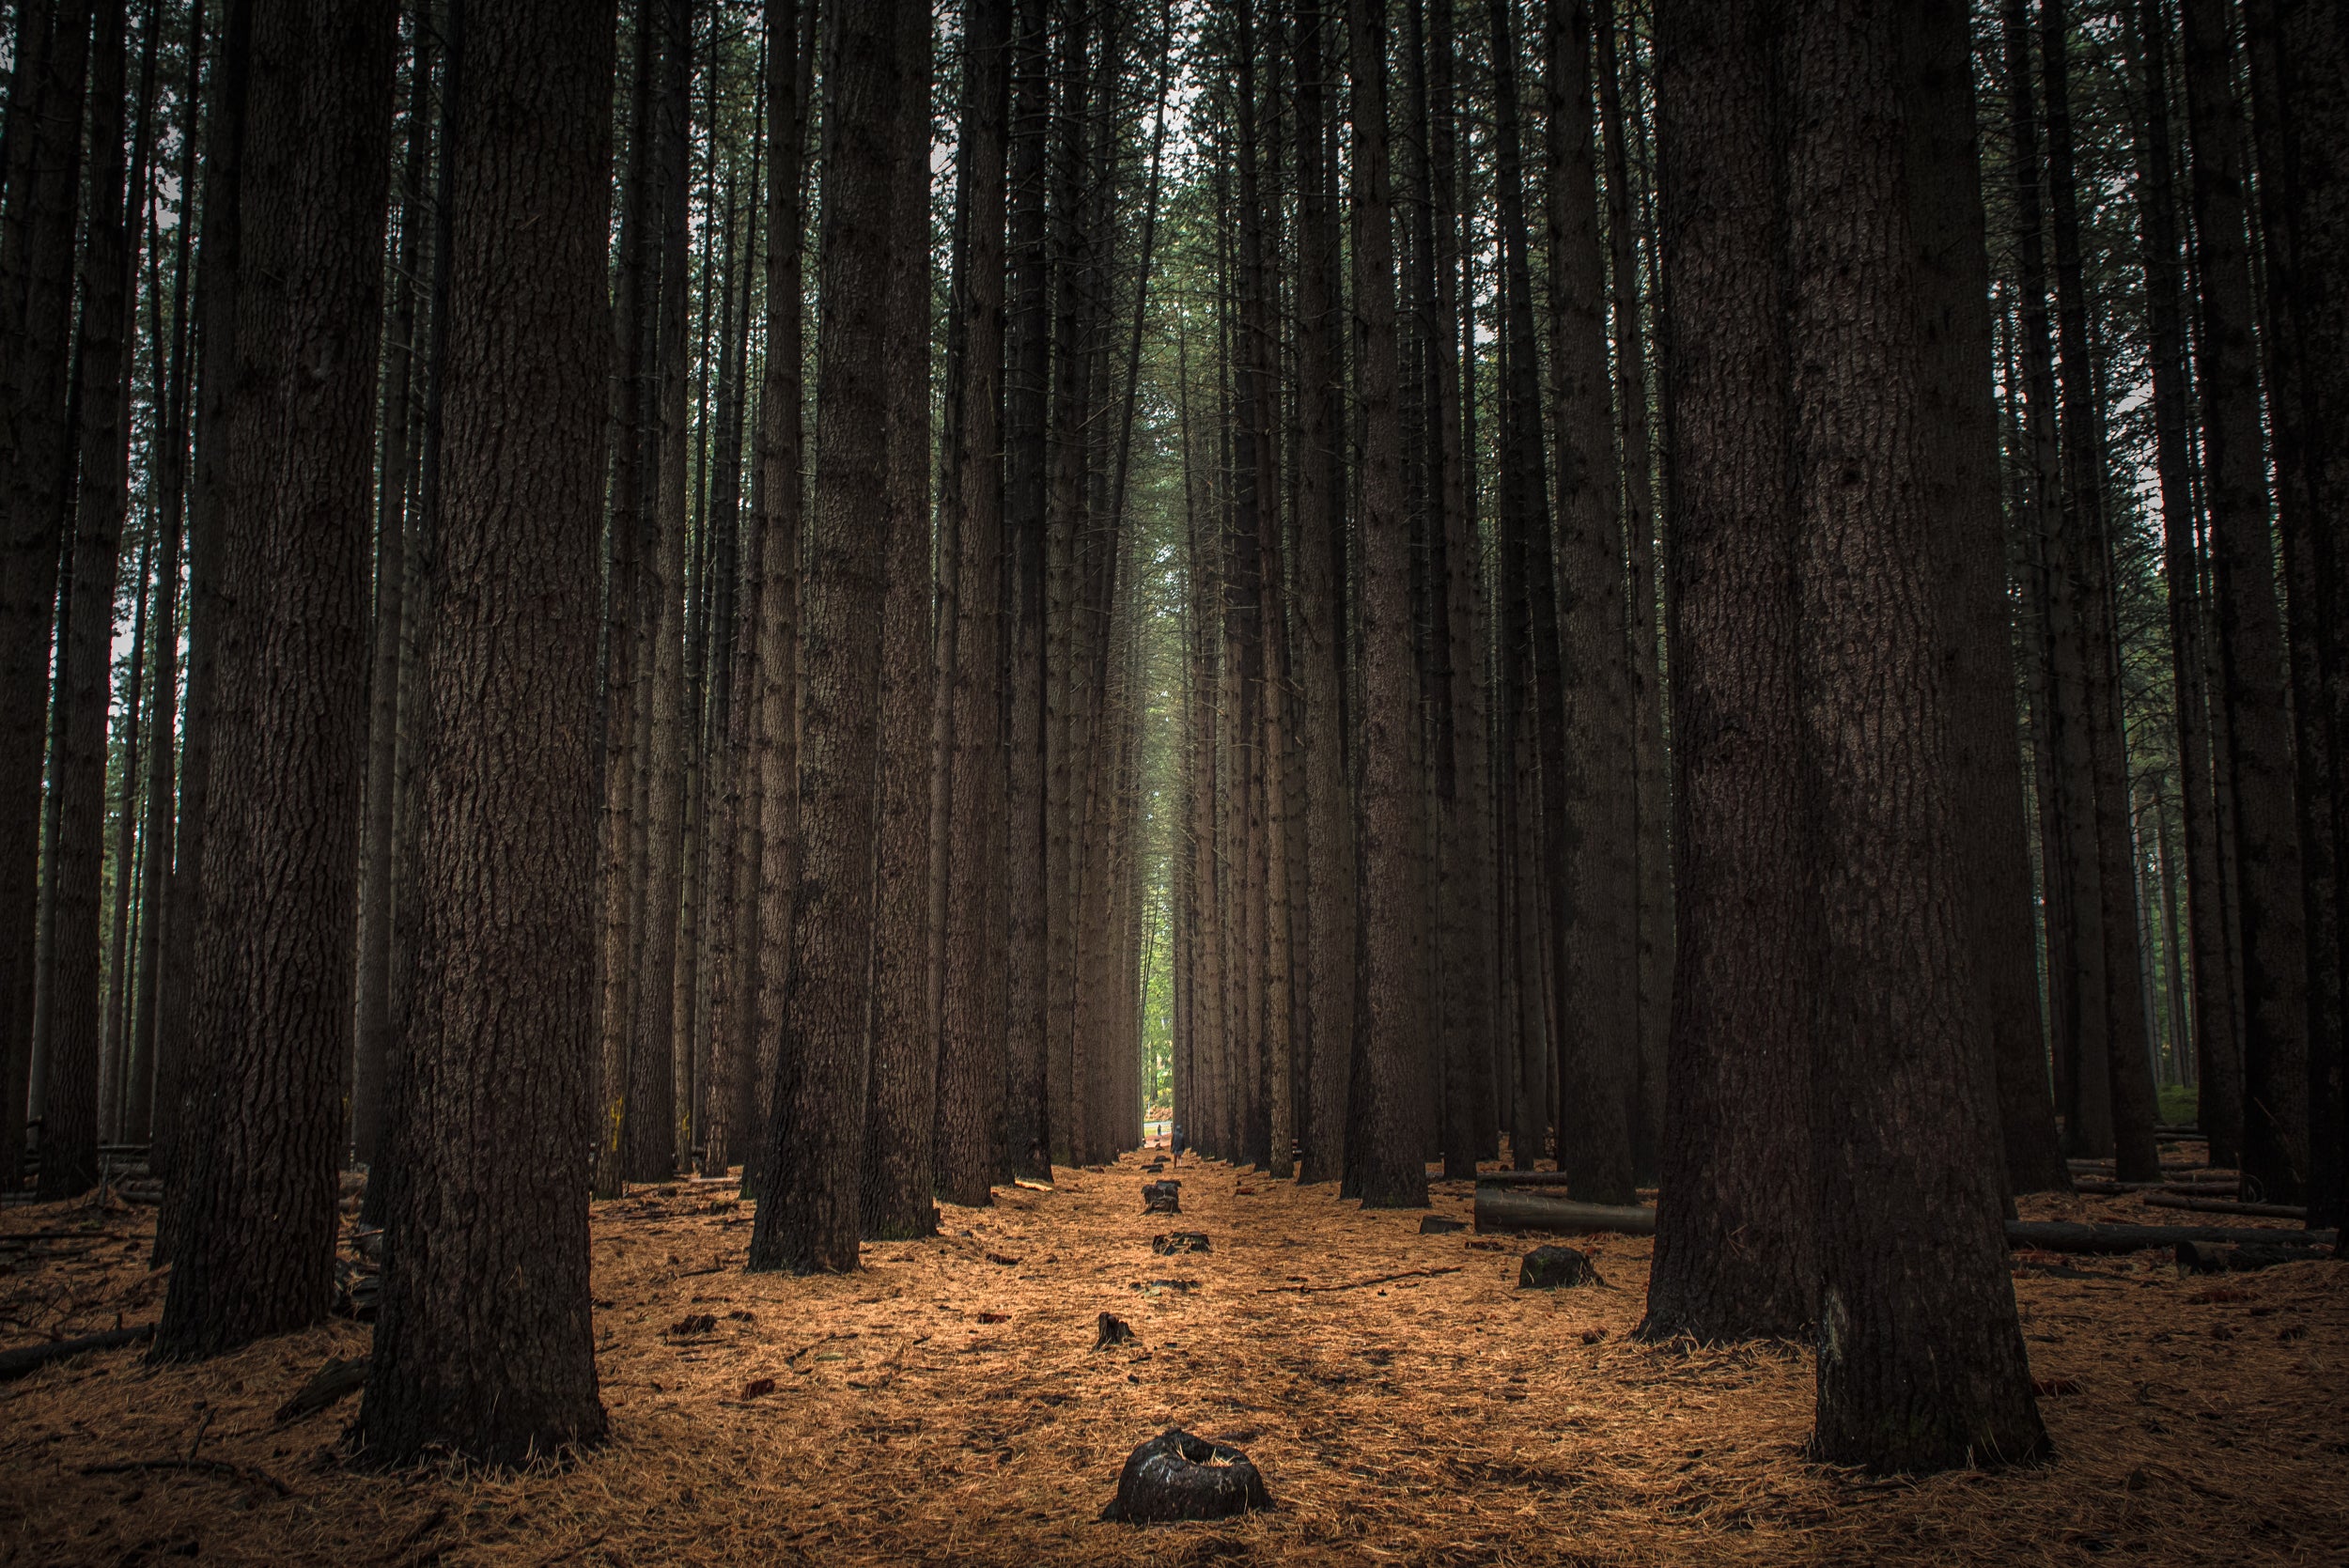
<point>1498,1210</point>
<point>2066,1236</point>
<point>2226,1205</point>
<point>2202,1257</point>
<point>1522,1178</point>
<point>32,1358</point>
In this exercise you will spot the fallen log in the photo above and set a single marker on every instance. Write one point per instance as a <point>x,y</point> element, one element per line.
<point>2060,1236</point>
<point>2202,1257</point>
<point>32,1358</point>
<point>1498,1210</point>
<point>1522,1178</point>
<point>2226,1205</point>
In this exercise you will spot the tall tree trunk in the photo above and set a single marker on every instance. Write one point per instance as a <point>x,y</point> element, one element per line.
<point>70,1114</point>
<point>1920,1358</point>
<point>807,1203</point>
<point>2300,61</point>
<point>2087,521</point>
<point>1652,848</point>
<point>901,1106</point>
<point>253,1221</point>
<point>1734,1248</point>
<point>650,1125</point>
<point>635,309</point>
<point>2219,1066</point>
<point>1030,1137</point>
<point>49,86</point>
<point>499,1067</point>
<point>2250,632</point>
<point>1599,939</point>
<point>1319,614</point>
<point>1958,471</point>
<point>1388,1134</point>
<point>968,1144</point>
<point>780,457</point>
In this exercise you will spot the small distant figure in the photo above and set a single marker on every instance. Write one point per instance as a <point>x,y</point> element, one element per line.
<point>1175,1140</point>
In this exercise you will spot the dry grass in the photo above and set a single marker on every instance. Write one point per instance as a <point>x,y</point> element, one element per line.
<point>1439,1419</point>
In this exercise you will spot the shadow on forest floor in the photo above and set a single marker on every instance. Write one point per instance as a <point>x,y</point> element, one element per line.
<point>944,1404</point>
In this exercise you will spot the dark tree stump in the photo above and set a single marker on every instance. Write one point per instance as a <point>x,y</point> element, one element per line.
<point>1162,1197</point>
<point>1112,1330</point>
<point>1553,1267</point>
<point>1178,1241</point>
<point>1436,1224</point>
<point>1178,1476</point>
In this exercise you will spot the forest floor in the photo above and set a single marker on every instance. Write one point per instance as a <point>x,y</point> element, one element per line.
<point>945,1405</point>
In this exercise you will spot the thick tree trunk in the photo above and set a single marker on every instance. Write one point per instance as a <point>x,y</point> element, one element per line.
<point>901,1104</point>
<point>1599,988</point>
<point>253,1210</point>
<point>2250,632</point>
<point>1920,1358</point>
<point>1959,468</point>
<point>1029,1135</point>
<point>968,1144</point>
<point>807,1203</point>
<point>1734,1247</point>
<point>71,1112</point>
<point>499,1069</point>
<point>1388,1136</point>
<point>48,88</point>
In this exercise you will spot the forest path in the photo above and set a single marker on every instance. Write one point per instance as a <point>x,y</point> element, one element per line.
<point>943,1407</point>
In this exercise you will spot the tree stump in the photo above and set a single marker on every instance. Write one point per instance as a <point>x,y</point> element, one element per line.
<point>1166,1246</point>
<point>1178,1476</point>
<point>1553,1267</point>
<point>1162,1197</point>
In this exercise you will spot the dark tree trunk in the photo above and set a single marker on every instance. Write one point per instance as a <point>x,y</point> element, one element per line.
<point>1735,1246</point>
<point>2088,526</point>
<point>1598,987</point>
<point>1387,1136</point>
<point>48,88</point>
<point>499,1069</point>
<point>781,420</point>
<point>253,1209</point>
<point>1029,1138</point>
<point>807,1201</point>
<point>1959,468</point>
<point>2220,1070</point>
<point>70,1114</point>
<point>2251,631</point>
<point>1921,1359</point>
<point>968,1143</point>
<point>901,1108</point>
<point>2299,60</point>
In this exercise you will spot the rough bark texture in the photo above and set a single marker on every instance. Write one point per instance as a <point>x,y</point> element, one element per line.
<point>807,1201</point>
<point>71,1112</point>
<point>1598,991</point>
<point>499,1073</point>
<point>901,1104</point>
<point>2250,628</point>
<point>1958,466</point>
<point>1388,1135</point>
<point>1920,1358</point>
<point>48,88</point>
<point>253,1209</point>
<point>972,1063</point>
<point>1735,1246</point>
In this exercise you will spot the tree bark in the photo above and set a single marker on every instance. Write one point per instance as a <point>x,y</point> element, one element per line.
<point>1387,1134</point>
<point>499,1070</point>
<point>253,1211</point>
<point>901,1106</point>
<point>808,1214</point>
<point>1921,1364</point>
<point>1734,1248</point>
<point>2250,632</point>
